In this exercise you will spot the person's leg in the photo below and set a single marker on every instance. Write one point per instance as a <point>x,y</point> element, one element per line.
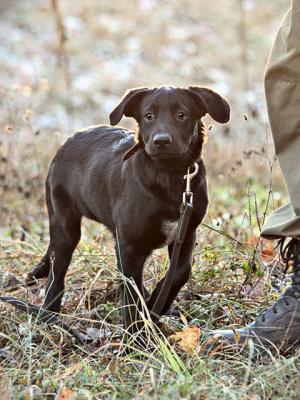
<point>282,88</point>
<point>281,323</point>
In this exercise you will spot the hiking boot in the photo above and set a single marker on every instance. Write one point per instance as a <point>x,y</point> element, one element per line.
<point>280,324</point>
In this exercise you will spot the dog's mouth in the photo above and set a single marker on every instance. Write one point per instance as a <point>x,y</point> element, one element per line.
<point>173,164</point>
<point>165,156</point>
<point>170,161</point>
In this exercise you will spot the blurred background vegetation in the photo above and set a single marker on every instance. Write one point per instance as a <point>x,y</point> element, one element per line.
<point>64,65</point>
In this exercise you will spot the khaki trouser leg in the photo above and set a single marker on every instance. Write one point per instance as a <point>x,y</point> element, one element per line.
<point>282,86</point>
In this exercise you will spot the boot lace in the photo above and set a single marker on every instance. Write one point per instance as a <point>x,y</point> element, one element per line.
<point>289,253</point>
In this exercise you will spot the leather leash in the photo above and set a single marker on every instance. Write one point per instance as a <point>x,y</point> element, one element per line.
<point>42,315</point>
<point>186,210</point>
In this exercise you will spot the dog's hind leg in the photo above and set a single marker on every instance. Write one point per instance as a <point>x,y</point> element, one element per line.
<point>65,235</point>
<point>43,267</point>
<point>40,271</point>
<point>65,221</point>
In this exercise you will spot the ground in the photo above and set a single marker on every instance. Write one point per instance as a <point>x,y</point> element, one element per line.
<point>64,65</point>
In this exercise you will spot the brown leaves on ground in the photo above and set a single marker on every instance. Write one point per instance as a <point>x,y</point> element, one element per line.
<point>187,340</point>
<point>67,394</point>
<point>267,252</point>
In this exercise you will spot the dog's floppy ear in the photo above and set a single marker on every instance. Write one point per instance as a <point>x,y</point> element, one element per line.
<point>215,105</point>
<point>129,105</point>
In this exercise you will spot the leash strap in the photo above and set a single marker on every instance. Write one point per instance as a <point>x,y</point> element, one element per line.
<point>186,210</point>
<point>42,315</point>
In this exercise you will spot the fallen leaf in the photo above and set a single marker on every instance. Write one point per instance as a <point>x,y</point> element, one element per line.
<point>252,241</point>
<point>267,250</point>
<point>187,339</point>
<point>267,253</point>
<point>67,394</point>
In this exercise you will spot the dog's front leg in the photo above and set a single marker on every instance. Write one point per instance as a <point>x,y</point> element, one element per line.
<point>180,277</point>
<point>131,263</point>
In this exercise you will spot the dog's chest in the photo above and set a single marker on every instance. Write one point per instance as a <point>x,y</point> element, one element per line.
<point>168,229</point>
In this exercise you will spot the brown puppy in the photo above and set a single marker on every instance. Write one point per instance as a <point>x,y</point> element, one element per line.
<point>132,187</point>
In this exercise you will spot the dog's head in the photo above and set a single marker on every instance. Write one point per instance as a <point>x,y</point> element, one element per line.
<point>168,118</point>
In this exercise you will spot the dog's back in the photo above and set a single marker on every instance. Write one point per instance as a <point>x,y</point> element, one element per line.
<point>86,167</point>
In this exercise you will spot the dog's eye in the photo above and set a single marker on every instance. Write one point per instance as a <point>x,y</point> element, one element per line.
<point>149,117</point>
<point>181,116</point>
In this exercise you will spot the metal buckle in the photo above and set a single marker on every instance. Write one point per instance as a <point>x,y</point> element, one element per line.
<point>187,198</point>
<point>188,194</point>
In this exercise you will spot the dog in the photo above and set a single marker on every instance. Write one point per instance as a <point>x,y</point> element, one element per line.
<point>133,184</point>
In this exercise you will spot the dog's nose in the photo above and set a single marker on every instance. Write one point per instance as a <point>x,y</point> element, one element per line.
<point>162,139</point>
